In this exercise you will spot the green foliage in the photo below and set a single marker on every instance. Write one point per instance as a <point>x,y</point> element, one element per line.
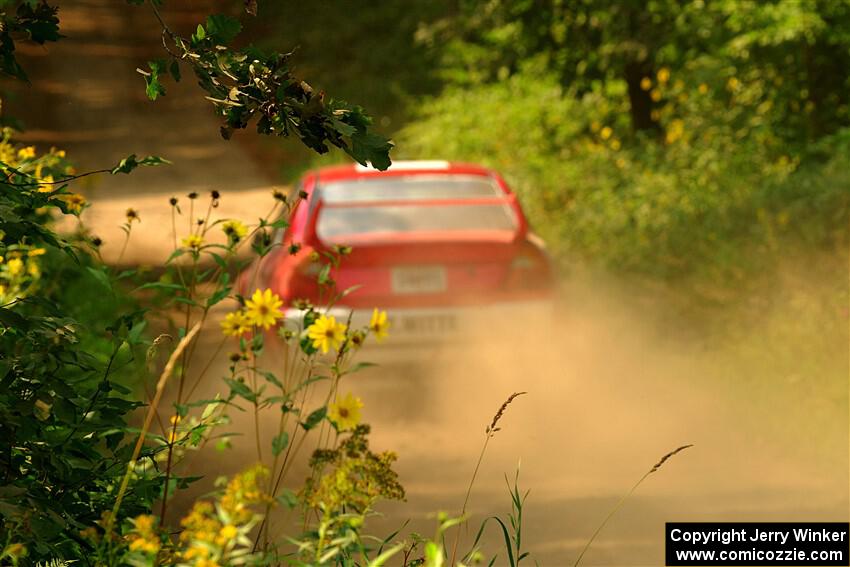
<point>32,20</point>
<point>130,163</point>
<point>248,84</point>
<point>684,142</point>
<point>73,472</point>
<point>592,43</point>
<point>65,363</point>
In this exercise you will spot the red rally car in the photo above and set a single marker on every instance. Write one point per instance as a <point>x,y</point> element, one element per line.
<point>443,247</point>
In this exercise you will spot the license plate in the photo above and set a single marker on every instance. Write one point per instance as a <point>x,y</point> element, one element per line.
<point>419,279</point>
<point>426,324</point>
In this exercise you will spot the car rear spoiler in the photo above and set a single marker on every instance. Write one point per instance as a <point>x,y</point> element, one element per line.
<point>511,200</point>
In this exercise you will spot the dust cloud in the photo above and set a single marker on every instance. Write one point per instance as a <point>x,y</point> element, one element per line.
<point>615,380</point>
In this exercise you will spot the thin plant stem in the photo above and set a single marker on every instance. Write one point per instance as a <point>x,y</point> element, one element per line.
<point>124,246</point>
<point>172,437</point>
<point>490,432</point>
<point>160,388</point>
<point>625,497</point>
<point>468,492</point>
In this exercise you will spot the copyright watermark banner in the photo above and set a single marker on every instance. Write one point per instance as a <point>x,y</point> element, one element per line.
<point>746,543</point>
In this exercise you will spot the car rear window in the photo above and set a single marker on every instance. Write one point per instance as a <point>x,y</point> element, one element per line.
<point>412,187</point>
<point>403,205</point>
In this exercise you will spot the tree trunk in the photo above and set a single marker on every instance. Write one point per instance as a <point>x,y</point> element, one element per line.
<point>640,100</point>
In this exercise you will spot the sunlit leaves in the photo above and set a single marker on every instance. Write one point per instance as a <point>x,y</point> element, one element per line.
<point>153,86</point>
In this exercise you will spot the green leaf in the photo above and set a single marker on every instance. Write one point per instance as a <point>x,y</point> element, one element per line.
<point>174,70</point>
<point>288,498</point>
<point>11,319</point>
<point>130,163</point>
<point>223,28</point>
<point>240,389</point>
<point>271,378</point>
<point>359,366</point>
<point>153,87</point>
<point>218,296</point>
<point>372,149</point>
<point>219,260</point>
<point>315,418</point>
<point>100,276</point>
<point>199,35</point>
<point>162,286</point>
<point>279,443</point>
<point>324,274</point>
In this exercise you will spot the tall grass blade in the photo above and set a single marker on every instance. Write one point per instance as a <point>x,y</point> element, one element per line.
<point>620,502</point>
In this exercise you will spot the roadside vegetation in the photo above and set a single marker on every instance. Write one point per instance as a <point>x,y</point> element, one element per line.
<point>679,162</point>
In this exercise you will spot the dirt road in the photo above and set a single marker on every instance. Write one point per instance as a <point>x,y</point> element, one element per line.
<point>610,390</point>
<point>87,98</point>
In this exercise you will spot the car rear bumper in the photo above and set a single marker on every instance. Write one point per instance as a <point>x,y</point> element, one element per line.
<point>418,329</point>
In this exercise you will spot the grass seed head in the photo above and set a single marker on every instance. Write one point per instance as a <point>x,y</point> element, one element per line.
<point>491,429</point>
<point>667,456</point>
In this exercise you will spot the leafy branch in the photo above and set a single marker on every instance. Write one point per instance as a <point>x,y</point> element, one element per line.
<point>246,85</point>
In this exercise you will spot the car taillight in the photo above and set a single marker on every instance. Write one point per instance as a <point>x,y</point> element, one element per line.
<point>528,271</point>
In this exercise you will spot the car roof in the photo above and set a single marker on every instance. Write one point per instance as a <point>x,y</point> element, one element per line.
<point>429,167</point>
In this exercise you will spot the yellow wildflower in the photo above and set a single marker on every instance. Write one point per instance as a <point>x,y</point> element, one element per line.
<point>229,531</point>
<point>26,153</point>
<point>15,267</point>
<point>646,83</point>
<point>235,324</point>
<point>703,88</point>
<point>326,333</point>
<point>379,325</point>
<point>733,83</point>
<point>14,551</point>
<point>605,133</point>
<point>33,269</point>
<point>357,338</point>
<point>33,252</point>
<point>675,131</point>
<point>144,537</point>
<point>263,309</point>
<point>655,95</point>
<point>194,241</point>
<point>48,179</point>
<point>345,412</point>
<point>144,523</point>
<point>663,75</point>
<point>235,230</point>
<point>226,535</point>
<point>74,201</point>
